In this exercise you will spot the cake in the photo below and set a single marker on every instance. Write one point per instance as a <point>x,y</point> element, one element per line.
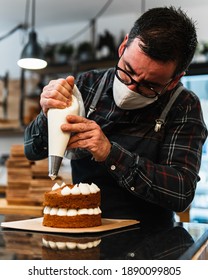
<point>70,248</point>
<point>72,206</point>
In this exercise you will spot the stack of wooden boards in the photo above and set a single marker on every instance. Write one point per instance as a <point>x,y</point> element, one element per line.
<point>26,180</point>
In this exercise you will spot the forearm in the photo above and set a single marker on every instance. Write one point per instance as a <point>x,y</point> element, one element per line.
<point>168,186</point>
<point>36,138</point>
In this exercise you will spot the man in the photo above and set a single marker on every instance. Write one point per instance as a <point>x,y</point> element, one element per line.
<point>146,169</point>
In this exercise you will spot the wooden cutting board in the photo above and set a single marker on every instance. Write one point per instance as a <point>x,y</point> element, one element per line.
<point>36,225</point>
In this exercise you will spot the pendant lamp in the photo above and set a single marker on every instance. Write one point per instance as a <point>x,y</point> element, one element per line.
<point>32,56</point>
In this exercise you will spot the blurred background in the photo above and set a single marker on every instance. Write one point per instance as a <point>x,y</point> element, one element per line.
<point>76,36</point>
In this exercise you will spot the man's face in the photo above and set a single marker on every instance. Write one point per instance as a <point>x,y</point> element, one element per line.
<point>143,69</point>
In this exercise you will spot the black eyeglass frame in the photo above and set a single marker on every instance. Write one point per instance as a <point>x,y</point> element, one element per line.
<point>132,81</point>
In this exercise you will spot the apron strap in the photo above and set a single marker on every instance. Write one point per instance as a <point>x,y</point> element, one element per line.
<point>97,96</point>
<point>161,120</point>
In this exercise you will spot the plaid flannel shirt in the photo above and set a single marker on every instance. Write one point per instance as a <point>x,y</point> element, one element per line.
<point>146,171</point>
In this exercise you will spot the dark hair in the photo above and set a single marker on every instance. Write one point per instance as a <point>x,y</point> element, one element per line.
<point>167,34</point>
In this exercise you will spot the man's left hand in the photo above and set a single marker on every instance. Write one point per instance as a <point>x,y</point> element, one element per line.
<point>87,134</point>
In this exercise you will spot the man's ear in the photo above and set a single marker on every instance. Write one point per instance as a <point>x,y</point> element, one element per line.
<point>175,81</point>
<point>122,46</point>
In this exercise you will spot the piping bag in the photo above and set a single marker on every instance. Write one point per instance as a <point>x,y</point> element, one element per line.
<point>57,139</point>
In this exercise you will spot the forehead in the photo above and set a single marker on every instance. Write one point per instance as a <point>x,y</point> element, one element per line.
<point>150,68</point>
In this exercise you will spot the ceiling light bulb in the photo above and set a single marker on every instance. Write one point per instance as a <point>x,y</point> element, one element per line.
<point>32,56</point>
<point>32,63</point>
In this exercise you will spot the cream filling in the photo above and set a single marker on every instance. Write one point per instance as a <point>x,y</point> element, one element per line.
<point>70,245</point>
<point>70,212</point>
<point>81,188</point>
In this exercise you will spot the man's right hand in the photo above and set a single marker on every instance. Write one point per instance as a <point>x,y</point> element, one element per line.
<point>57,94</point>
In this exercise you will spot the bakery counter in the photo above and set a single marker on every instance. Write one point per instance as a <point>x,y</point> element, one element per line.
<point>173,241</point>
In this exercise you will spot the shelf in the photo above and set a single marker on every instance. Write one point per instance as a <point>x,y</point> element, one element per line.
<point>2,190</point>
<point>6,208</point>
<point>77,67</point>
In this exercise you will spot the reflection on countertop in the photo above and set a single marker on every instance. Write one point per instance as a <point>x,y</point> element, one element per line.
<point>139,242</point>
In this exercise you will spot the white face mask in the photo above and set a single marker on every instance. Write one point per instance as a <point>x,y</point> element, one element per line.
<point>128,99</point>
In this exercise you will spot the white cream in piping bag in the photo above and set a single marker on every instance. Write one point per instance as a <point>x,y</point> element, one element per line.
<point>57,139</point>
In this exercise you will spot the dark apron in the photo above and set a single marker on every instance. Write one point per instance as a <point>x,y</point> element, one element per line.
<point>116,201</point>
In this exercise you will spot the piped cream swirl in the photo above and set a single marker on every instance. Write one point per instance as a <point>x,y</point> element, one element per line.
<point>81,188</point>
<point>70,212</point>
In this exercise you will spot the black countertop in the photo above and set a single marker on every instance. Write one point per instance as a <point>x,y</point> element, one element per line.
<point>172,241</point>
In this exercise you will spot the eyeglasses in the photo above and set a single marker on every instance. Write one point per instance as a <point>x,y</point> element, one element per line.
<point>143,89</point>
